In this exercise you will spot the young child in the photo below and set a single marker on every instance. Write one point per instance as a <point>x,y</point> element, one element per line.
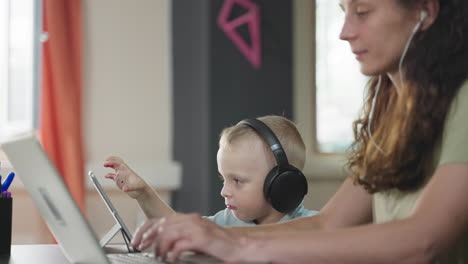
<point>252,185</point>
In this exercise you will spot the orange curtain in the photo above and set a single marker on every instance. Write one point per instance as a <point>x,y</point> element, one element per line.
<point>60,105</point>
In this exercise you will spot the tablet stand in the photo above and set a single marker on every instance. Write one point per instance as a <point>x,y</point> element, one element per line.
<point>119,226</point>
<point>111,234</point>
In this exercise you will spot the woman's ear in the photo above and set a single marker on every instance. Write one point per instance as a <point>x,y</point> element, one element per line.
<point>431,8</point>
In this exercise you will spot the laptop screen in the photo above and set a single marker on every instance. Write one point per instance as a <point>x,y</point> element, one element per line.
<point>51,196</point>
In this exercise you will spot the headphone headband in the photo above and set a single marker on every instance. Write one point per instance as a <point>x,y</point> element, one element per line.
<point>270,138</point>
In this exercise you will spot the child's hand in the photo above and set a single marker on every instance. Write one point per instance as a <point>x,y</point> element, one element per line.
<point>124,177</point>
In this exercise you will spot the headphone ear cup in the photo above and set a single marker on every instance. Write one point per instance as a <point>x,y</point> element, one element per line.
<point>270,178</point>
<point>285,189</point>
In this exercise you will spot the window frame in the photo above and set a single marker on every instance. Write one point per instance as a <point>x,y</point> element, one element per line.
<point>32,123</point>
<point>318,166</point>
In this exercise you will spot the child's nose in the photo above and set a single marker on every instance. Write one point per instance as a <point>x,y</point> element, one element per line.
<point>225,192</point>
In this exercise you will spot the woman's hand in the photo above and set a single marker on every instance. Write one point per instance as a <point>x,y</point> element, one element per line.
<point>125,178</point>
<point>181,232</point>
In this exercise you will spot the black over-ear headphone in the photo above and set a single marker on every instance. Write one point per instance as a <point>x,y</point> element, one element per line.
<point>285,186</point>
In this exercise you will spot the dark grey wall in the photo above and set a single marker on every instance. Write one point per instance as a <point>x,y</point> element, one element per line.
<point>215,87</point>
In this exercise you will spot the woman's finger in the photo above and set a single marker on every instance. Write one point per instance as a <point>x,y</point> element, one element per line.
<point>149,237</point>
<point>140,231</point>
<point>179,247</point>
<point>167,238</point>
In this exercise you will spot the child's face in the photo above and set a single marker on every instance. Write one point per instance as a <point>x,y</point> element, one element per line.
<point>243,166</point>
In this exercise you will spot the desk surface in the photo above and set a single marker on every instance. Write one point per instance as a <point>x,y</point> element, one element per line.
<point>22,254</point>
<point>26,254</point>
<point>52,254</point>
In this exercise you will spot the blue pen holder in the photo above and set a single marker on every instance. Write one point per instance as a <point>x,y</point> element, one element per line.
<point>6,205</point>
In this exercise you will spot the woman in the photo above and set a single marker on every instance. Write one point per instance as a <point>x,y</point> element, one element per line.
<point>406,198</point>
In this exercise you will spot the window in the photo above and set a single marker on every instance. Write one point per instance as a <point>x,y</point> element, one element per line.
<point>19,65</point>
<point>339,83</point>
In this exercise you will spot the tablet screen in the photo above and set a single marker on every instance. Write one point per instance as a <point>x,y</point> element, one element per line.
<point>110,206</point>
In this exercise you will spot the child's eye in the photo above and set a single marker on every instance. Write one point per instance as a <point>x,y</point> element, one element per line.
<point>237,181</point>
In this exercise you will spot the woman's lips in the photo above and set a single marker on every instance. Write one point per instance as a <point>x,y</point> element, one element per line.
<point>359,54</point>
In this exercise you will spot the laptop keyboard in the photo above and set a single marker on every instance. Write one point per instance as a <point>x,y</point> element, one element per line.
<point>144,258</point>
<point>131,258</point>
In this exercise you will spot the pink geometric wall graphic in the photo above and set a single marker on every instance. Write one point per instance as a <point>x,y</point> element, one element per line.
<point>252,18</point>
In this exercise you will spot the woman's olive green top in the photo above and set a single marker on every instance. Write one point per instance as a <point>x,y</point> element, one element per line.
<point>394,204</point>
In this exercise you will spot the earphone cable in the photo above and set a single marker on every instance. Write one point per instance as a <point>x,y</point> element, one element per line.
<point>400,71</point>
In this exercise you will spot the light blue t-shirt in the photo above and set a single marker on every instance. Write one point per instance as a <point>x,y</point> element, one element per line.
<point>227,218</point>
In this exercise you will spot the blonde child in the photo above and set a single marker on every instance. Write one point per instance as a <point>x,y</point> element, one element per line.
<point>259,161</point>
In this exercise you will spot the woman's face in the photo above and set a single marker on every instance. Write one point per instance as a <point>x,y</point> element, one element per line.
<point>377,31</point>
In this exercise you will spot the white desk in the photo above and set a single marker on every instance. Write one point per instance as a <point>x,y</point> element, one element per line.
<point>52,254</point>
<point>22,254</point>
<point>47,254</point>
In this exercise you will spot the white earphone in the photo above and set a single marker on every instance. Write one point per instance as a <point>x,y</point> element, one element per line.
<point>422,17</point>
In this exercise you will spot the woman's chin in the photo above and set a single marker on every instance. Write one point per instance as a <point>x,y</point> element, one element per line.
<point>370,71</point>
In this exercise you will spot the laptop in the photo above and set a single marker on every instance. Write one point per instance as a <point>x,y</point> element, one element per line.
<point>59,210</point>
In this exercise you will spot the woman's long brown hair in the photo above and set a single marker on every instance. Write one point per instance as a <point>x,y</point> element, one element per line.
<point>408,126</point>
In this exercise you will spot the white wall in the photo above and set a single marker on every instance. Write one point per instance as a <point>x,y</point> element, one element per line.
<point>127,109</point>
<point>128,97</point>
<point>127,80</point>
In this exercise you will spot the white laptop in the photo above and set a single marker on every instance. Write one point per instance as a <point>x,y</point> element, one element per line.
<point>46,187</point>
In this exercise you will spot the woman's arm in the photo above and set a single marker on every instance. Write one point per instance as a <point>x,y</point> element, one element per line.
<point>350,206</point>
<point>437,222</point>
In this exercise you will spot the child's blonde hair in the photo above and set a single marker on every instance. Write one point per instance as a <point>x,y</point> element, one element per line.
<point>285,131</point>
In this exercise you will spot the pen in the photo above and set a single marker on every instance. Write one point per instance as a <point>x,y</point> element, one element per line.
<point>8,181</point>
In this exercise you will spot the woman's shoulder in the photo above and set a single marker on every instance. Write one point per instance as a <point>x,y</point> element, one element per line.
<point>463,91</point>
<point>454,145</point>
<point>460,102</point>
